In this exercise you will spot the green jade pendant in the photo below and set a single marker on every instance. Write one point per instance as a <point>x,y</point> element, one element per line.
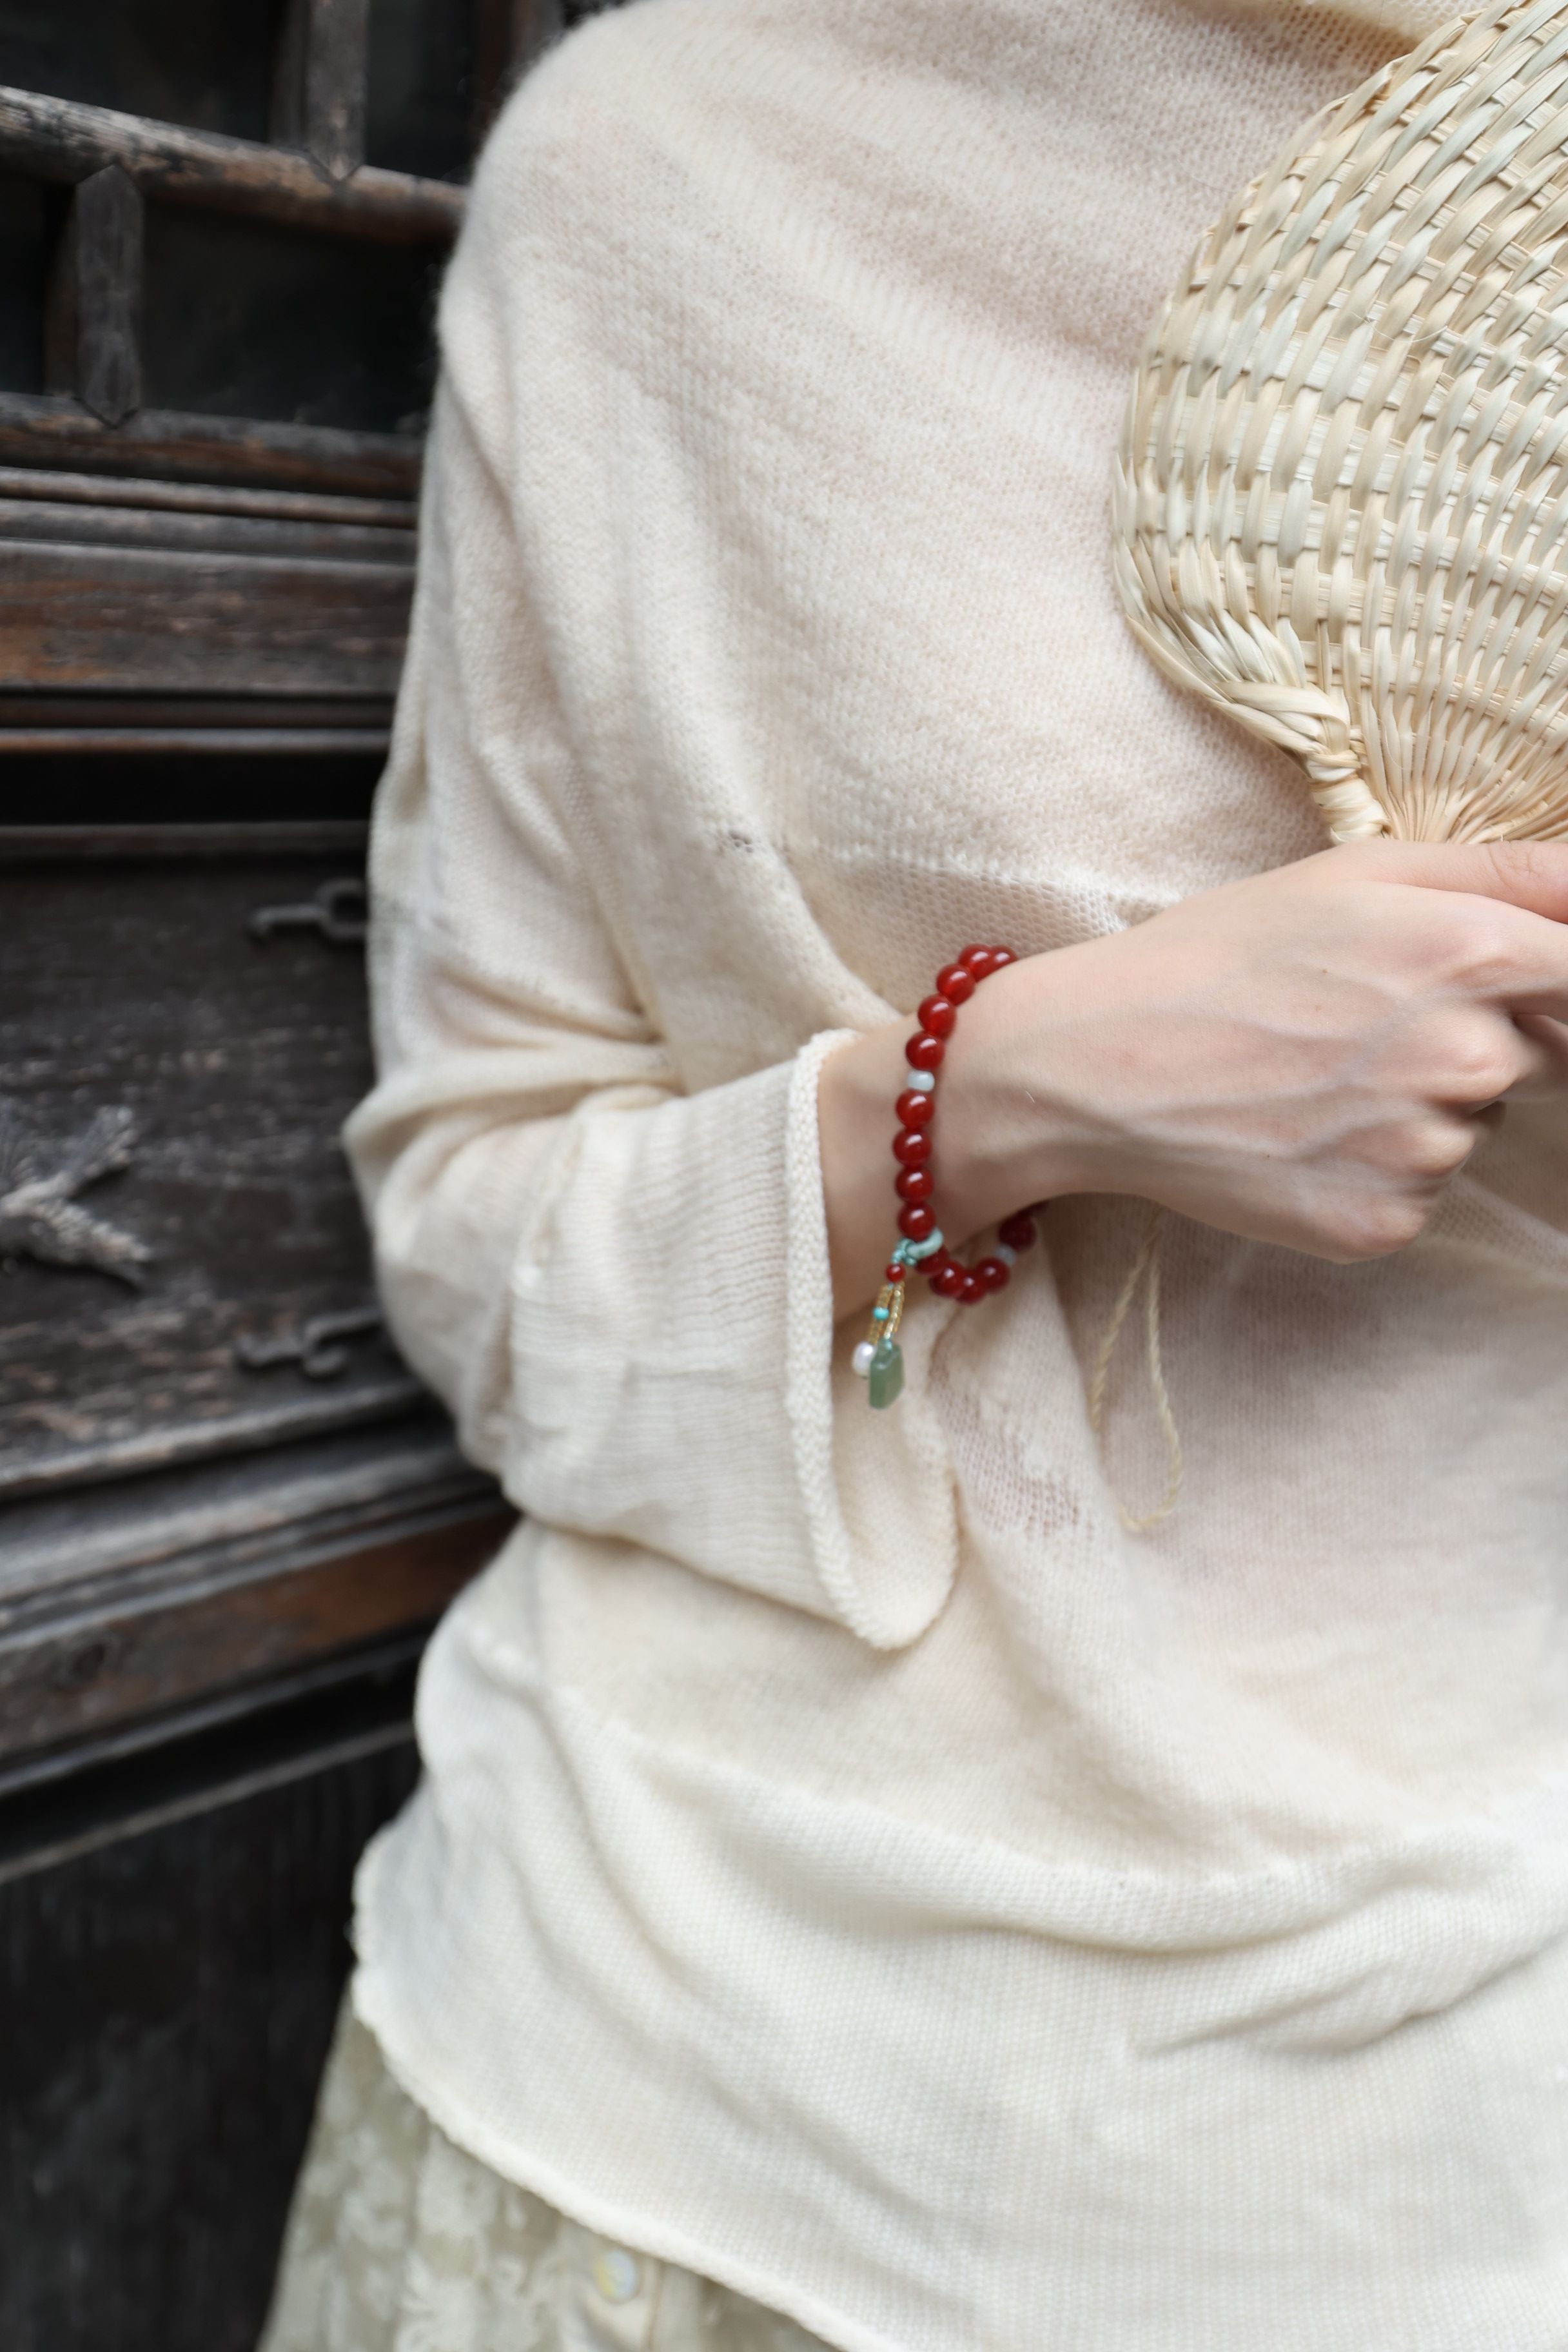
<point>885,1382</point>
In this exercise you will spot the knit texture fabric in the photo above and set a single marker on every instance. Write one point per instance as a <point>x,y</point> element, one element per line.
<point>848,1864</point>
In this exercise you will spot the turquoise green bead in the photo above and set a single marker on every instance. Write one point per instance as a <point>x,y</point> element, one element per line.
<point>886,1382</point>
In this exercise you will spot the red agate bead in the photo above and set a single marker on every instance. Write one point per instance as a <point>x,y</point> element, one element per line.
<point>915,1181</point>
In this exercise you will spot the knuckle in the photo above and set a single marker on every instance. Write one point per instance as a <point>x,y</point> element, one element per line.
<point>1438,1148</point>
<point>1480,947</point>
<point>1479,1066</point>
<point>1376,1227</point>
<point>1526,866</point>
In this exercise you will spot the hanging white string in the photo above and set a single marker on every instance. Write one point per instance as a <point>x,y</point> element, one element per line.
<point>1145,1269</point>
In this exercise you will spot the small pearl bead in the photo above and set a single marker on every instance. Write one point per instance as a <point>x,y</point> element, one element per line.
<point>861,1358</point>
<point>1008,1255</point>
<point>922,1082</point>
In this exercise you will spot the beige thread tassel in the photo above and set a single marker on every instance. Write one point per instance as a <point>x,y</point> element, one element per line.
<point>1146,1264</point>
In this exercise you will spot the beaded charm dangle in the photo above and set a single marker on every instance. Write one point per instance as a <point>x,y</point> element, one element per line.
<point>921,1248</point>
<point>884,1357</point>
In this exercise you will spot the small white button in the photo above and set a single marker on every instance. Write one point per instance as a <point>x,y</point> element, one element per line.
<point>617,2274</point>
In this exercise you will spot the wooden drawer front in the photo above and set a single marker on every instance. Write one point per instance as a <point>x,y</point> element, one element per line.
<point>127,599</point>
<point>186,1271</point>
<point>130,620</point>
<point>126,1605</point>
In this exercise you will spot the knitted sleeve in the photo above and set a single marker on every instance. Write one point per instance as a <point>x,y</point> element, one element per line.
<point>621,1290</point>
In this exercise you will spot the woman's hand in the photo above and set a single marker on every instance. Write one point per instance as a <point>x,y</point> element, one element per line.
<point>1304,1058</point>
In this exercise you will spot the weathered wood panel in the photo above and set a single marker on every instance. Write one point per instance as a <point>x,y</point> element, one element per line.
<point>182,736</point>
<point>165,2004</point>
<point>163,621</point>
<point>147,1027</point>
<point>218,1609</point>
<point>341,838</point>
<point>159,527</point>
<point>35,431</point>
<point>189,1530</point>
<point>30,484</point>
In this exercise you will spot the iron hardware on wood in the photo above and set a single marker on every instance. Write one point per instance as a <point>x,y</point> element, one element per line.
<point>339,911</point>
<point>318,1347</point>
<point>40,1217</point>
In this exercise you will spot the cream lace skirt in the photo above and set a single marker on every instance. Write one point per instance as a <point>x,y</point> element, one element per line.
<point>400,2242</point>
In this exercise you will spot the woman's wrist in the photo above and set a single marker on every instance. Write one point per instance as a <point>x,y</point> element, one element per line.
<point>997,1148</point>
<point>1006,1138</point>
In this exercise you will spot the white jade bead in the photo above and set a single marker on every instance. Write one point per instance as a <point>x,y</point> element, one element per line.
<point>922,1082</point>
<point>1008,1257</point>
<point>861,1358</point>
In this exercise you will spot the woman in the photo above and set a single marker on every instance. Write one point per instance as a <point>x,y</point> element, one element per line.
<point>858,1886</point>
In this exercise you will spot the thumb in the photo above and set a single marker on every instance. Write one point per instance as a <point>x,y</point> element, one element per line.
<point>1528,874</point>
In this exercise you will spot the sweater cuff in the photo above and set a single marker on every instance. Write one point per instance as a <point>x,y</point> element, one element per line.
<point>876,1487</point>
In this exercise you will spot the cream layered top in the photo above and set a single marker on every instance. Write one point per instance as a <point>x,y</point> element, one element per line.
<point>849,1863</point>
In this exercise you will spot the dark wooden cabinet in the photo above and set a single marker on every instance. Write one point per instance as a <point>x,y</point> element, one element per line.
<point>228,1514</point>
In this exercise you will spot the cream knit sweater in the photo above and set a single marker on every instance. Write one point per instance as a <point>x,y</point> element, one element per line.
<point>847,1863</point>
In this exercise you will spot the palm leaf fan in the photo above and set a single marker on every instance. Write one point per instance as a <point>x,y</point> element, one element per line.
<point>1341,492</point>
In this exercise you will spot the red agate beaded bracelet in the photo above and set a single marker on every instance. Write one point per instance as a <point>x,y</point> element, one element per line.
<point>921,1249</point>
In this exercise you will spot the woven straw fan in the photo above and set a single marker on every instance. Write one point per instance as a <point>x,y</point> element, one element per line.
<point>1342,492</point>
<point>1340,500</point>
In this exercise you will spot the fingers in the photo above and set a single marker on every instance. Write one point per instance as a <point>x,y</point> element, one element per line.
<point>1488,918</point>
<point>1545,1071</point>
<point>1462,1062</point>
<point>1485,948</point>
<point>1532,874</point>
